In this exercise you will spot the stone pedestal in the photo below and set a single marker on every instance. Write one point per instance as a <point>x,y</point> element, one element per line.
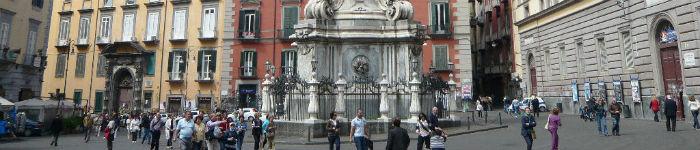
<point>453,98</point>
<point>340,99</point>
<point>383,104</point>
<point>266,95</point>
<point>313,98</point>
<point>415,104</point>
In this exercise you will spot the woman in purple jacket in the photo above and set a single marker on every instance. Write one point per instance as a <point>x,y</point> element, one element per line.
<point>553,124</point>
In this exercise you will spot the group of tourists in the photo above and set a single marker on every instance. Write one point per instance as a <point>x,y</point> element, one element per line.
<point>215,131</point>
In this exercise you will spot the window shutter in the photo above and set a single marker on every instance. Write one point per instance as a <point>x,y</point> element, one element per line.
<point>183,63</point>
<point>285,55</point>
<point>291,16</point>
<point>446,15</point>
<point>255,59</point>
<point>200,60</point>
<point>256,24</point>
<point>151,68</point>
<point>170,58</point>
<point>241,25</point>
<point>242,60</point>
<point>212,64</point>
<point>434,18</point>
<point>294,60</point>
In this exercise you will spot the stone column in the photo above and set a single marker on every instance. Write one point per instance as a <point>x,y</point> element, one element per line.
<point>266,94</point>
<point>313,97</point>
<point>383,105</point>
<point>453,98</point>
<point>340,99</point>
<point>415,104</point>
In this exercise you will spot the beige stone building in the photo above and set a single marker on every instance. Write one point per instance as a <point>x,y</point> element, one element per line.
<point>126,55</point>
<point>23,33</point>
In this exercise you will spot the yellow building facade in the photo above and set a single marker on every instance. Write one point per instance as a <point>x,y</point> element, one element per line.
<point>136,55</point>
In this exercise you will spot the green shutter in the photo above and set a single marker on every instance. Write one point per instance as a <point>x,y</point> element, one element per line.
<point>170,59</point>
<point>98,102</point>
<point>255,59</point>
<point>284,61</point>
<point>77,97</point>
<point>212,64</point>
<point>446,12</point>
<point>200,56</point>
<point>151,67</point>
<point>241,22</point>
<point>433,18</point>
<point>294,58</point>
<point>242,60</point>
<point>256,25</point>
<point>291,17</point>
<point>183,64</point>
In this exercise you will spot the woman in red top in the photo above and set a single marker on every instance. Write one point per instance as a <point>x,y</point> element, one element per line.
<point>654,105</point>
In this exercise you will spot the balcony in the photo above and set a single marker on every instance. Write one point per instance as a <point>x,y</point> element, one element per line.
<point>154,3</point>
<point>82,43</point>
<point>62,43</point>
<point>250,1</point>
<point>248,73</point>
<point>436,32</point>
<point>175,77</point>
<point>103,41</point>
<point>130,4</point>
<point>152,40</point>
<point>283,34</point>
<point>207,35</point>
<point>129,40</point>
<point>246,36</point>
<point>205,77</point>
<point>180,1</point>
<point>501,68</point>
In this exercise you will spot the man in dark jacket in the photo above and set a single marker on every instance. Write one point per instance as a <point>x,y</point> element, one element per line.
<point>398,137</point>
<point>146,127</point>
<point>535,106</point>
<point>56,127</point>
<point>528,124</point>
<point>433,119</point>
<point>670,110</point>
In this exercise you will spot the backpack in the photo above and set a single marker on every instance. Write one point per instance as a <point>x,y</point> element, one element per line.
<point>209,135</point>
<point>217,132</point>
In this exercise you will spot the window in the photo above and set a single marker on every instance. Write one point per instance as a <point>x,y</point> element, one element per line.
<point>177,65</point>
<point>129,2</point>
<point>77,96</point>
<point>627,50</point>
<point>64,31</point>
<point>602,54</point>
<point>179,24</point>
<point>60,65</point>
<point>208,23</point>
<point>579,49</point>
<point>128,27</point>
<point>5,29</point>
<point>207,64</point>
<point>80,65</point>
<point>289,62</point>
<point>249,26</point>
<point>151,66</point>
<point>526,11</point>
<point>99,96</point>
<point>440,57</point>
<point>248,63</point>
<point>105,29</point>
<point>84,30</point>
<point>101,66</point>
<point>440,17</point>
<point>152,26</point>
<point>148,99</point>
<point>547,57</point>
<point>31,42</point>
<point>562,61</point>
<point>542,5</point>
<point>108,3</point>
<point>291,18</point>
<point>38,3</point>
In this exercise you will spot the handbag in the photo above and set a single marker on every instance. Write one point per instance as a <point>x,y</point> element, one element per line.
<point>532,133</point>
<point>546,126</point>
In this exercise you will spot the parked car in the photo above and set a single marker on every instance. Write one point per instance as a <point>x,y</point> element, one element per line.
<point>249,113</point>
<point>194,113</point>
<point>32,127</point>
<point>163,117</point>
<point>526,102</point>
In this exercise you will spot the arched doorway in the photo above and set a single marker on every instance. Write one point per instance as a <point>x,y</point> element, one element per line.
<point>666,39</point>
<point>533,74</point>
<point>124,89</point>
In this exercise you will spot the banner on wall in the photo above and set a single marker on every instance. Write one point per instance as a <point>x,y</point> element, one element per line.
<point>617,89</point>
<point>587,90</point>
<point>466,91</point>
<point>574,91</point>
<point>602,90</point>
<point>636,95</point>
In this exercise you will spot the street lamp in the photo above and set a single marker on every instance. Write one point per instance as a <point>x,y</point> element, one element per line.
<point>269,67</point>
<point>314,63</point>
<point>450,66</point>
<point>432,68</point>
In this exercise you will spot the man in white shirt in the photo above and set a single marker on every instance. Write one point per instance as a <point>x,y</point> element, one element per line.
<point>358,131</point>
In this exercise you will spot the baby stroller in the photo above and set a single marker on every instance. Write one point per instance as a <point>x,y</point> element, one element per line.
<point>586,113</point>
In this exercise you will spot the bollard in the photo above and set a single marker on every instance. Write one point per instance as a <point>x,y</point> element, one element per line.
<point>473,117</point>
<point>500,122</point>
<point>308,134</point>
<point>469,124</point>
<point>486,117</point>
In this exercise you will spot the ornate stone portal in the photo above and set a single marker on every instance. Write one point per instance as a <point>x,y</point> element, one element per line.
<point>124,70</point>
<point>359,38</point>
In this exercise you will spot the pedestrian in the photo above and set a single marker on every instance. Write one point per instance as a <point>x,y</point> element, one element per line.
<point>198,134</point>
<point>56,127</point>
<point>615,110</point>
<point>87,123</point>
<point>423,130</point>
<point>257,131</point>
<point>694,104</point>
<point>230,136</point>
<point>145,127</point>
<point>132,125</point>
<point>241,127</point>
<point>437,139</point>
<point>465,103</point>
<point>215,131</point>
<point>535,101</point>
<point>553,124</point>
<point>655,105</point>
<point>184,131</point>
<point>110,129</point>
<point>433,119</point>
<point>515,105</point>
<point>156,126</point>
<point>103,123</point>
<point>527,131</point>
<point>600,115</point>
<point>269,129</point>
<point>670,109</point>
<point>479,108</point>
<point>169,131</point>
<point>359,131</point>
<point>333,129</point>
<point>397,139</point>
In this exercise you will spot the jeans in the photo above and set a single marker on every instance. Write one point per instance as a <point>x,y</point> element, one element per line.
<point>423,142</point>
<point>602,125</point>
<point>256,139</point>
<point>671,123</point>
<point>146,135</point>
<point>696,125</point>
<point>555,138</point>
<point>197,145</point>
<point>334,140</point>
<point>87,134</point>
<point>55,139</point>
<point>169,141</point>
<point>155,139</point>
<point>212,144</point>
<point>528,141</point>
<point>239,142</point>
<point>185,144</point>
<point>616,125</point>
<point>271,141</point>
<point>360,143</point>
<point>656,116</point>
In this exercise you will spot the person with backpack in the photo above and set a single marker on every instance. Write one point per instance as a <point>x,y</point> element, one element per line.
<point>257,131</point>
<point>230,137</point>
<point>156,125</point>
<point>110,129</point>
<point>333,129</point>
<point>214,132</point>
<point>438,139</point>
<point>145,127</point>
<point>269,128</point>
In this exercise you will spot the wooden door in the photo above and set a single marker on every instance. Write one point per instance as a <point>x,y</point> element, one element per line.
<point>533,80</point>
<point>672,75</point>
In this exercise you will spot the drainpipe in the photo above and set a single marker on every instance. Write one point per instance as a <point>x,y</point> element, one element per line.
<point>92,65</point>
<point>162,49</point>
